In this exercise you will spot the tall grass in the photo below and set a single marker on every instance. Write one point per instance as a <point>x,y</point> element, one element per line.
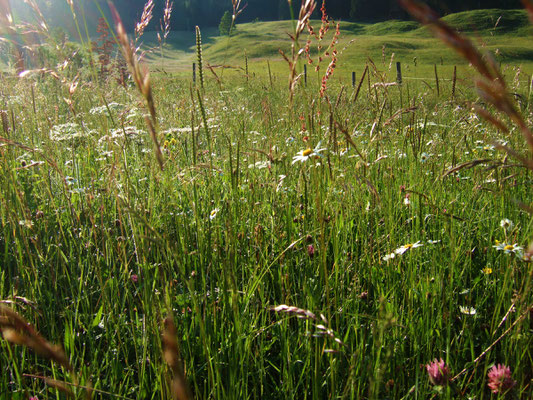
<point>328,248</point>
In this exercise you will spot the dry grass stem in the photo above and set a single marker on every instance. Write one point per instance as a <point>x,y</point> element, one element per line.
<point>40,17</point>
<point>320,329</point>
<point>528,5</point>
<point>171,354</point>
<point>236,4</point>
<point>142,80</point>
<point>7,28</point>
<point>17,330</point>
<point>291,310</point>
<point>306,10</point>
<point>146,17</point>
<point>166,18</point>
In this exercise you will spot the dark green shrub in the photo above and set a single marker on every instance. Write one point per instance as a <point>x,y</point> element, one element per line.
<point>225,24</point>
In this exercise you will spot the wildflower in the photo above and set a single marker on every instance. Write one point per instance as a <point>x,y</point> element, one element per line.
<point>439,373</point>
<point>280,183</point>
<point>509,248</point>
<point>506,224</point>
<point>402,249</point>
<point>68,132</point>
<point>26,223</point>
<point>213,213</point>
<point>500,379</point>
<point>406,201</point>
<point>311,251</point>
<point>170,143</point>
<point>134,278</point>
<point>260,165</point>
<point>304,155</point>
<point>104,110</point>
<point>487,270</point>
<point>389,257</point>
<point>468,310</point>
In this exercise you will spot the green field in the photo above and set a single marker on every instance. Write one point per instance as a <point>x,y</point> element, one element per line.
<point>325,248</point>
<point>510,38</point>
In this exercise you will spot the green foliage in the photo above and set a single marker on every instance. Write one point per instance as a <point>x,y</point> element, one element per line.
<point>323,250</point>
<point>222,235</point>
<point>225,24</point>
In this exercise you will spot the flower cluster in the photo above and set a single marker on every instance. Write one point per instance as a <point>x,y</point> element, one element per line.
<point>499,376</point>
<point>69,132</point>
<point>439,373</point>
<point>500,380</point>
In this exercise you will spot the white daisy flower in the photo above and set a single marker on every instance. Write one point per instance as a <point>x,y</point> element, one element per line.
<point>213,213</point>
<point>468,310</point>
<point>304,155</point>
<point>406,247</point>
<point>507,224</point>
<point>509,248</point>
<point>26,223</point>
<point>260,165</point>
<point>389,257</point>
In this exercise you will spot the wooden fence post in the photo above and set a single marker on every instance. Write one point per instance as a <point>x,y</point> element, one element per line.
<point>270,75</point>
<point>437,80</point>
<point>454,81</point>
<point>399,73</point>
<point>246,65</point>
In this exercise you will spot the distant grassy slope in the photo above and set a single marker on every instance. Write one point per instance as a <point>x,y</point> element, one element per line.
<point>492,21</point>
<point>505,31</point>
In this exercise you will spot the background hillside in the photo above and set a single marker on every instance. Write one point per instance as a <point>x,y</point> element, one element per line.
<point>506,33</point>
<point>207,13</point>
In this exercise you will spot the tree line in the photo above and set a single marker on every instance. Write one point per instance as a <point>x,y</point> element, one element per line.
<point>189,13</point>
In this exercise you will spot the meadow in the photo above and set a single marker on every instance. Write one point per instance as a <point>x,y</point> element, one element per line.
<point>328,243</point>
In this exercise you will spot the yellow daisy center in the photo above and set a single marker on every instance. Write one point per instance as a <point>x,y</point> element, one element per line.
<point>508,247</point>
<point>306,152</point>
